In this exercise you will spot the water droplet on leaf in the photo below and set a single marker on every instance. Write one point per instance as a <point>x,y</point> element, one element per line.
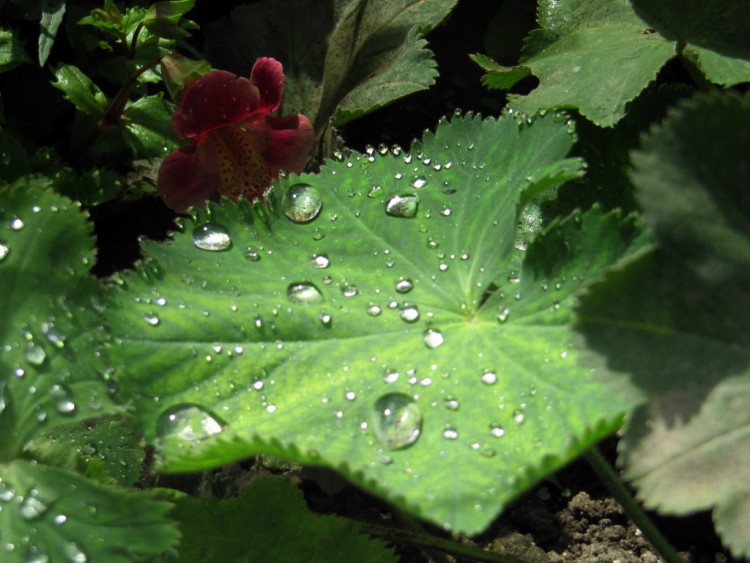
<point>34,353</point>
<point>4,250</point>
<point>187,422</point>
<point>404,285</point>
<point>304,293</point>
<point>418,182</point>
<point>212,237</point>
<point>409,313</point>
<point>433,338</point>
<point>319,261</point>
<point>404,206</point>
<point>301,203</point>
<point>397,421</point>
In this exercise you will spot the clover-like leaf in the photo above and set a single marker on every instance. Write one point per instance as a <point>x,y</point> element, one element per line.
<point>260,522</point>
<point>371,319</point>
<point>673,325</point>
<point>358,57</point>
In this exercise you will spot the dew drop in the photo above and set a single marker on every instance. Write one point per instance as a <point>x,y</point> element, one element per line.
<point>304,293</point>
<point>212,237</point>
<point>326,319</point>
<point>404,206</point>
<point>373,310</point>
<point>301,203</point>
<point>4,250</point>
<point>16,224</point>
<point>187,422</point>
<point>319,261</point>
<point>418,182</point>
<point>433,338</point>
<point>34,353</point>
<point>404,285</point>
<point>397,421</point>
<point>451,403</point>
<point>62,399</point>
<point>503,314</point>
<point>252,255</point>
<point>74,553</point>
<point>450,433</point>
<point>32,508</point>
<point>374,191</point>
<point>390,376</point>
<point>409,313</point>
<point>152,319</point>
<point>489,378</point>
<point>496,430</point>
<point>349,291</point>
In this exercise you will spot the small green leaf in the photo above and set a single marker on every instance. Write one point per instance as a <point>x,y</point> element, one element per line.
<point>359,56</point>
<point>49,513</point>
<point>80,91</point>
<point>371,318</point>
<point>52,16</point>
<point>147,126</point>
<point>12,52</point>
<point>687,306</point>
<point>257,526</point>
<point>498,76</point>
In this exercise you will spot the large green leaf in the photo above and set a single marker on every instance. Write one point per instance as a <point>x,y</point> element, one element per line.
<point>391,336</point>
<point>595,56</point>
<point>258,525</point>
<point>674,324</point>
<point>79,90</point>
<point>52,375</point>
<point>357,57</point>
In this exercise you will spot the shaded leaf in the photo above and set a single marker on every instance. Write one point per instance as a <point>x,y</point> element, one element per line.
<point>358,57</point>
<point>260,334</point>
<point>714,34</point>
<point>672,327</point>
<point>257,525</point>
<point>12,52</point>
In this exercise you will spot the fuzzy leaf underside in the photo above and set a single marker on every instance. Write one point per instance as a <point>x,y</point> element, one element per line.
<point>51,377</point>
<point>358,57</point>
<point>688,306</point>
<point>222,359</point>
<point>260,522</point>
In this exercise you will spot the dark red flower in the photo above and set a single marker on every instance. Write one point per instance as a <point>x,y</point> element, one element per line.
<point>237,148</point>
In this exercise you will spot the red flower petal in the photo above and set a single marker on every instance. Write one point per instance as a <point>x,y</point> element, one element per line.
<point>216,99</point>
<point>188,177</point>
<point>268,76</point>
<point>286,141</point>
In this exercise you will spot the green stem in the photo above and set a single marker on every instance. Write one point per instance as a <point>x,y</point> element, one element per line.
<point>617,489</point>
<point>433,543</point>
